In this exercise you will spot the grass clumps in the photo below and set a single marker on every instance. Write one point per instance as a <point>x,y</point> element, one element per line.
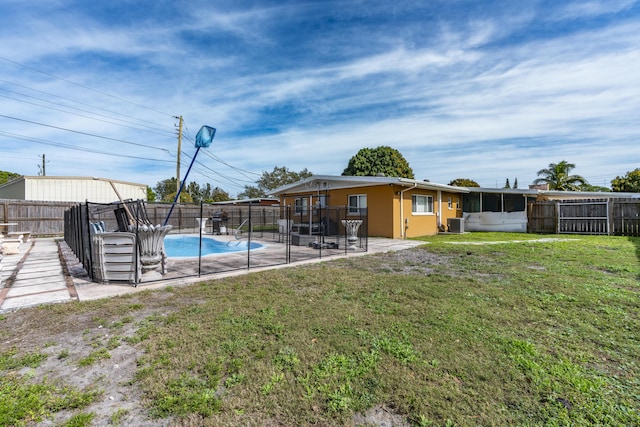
<point>24,403</point>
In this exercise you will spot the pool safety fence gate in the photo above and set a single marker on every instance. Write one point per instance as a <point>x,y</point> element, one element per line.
<point>111,240</point>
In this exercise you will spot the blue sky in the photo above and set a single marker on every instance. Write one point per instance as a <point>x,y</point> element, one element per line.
<point>486,90</point>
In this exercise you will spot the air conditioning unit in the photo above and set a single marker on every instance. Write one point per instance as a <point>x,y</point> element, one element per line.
<point>455,225</point>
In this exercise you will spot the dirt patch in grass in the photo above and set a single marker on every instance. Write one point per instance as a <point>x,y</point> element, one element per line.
<point>408,261</point>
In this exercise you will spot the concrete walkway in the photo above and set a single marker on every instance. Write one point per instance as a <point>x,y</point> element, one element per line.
<point>46,272</point>
<point>34,276</point>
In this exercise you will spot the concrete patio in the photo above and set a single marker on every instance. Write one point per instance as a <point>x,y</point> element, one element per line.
<point>46,271</point>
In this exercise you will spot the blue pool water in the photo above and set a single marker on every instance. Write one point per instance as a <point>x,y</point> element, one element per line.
<point>187,246</point>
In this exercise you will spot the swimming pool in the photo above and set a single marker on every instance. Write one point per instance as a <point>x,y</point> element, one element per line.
<point>180,246</point>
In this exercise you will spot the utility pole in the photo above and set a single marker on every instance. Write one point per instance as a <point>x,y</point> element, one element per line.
<point>43,171</point>
<point>179,148</point>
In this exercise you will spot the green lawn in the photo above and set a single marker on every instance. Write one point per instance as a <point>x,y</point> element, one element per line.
<point>515,333</point>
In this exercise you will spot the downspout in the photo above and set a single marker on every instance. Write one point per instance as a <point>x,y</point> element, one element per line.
<point>402,226</point>
<point>439,220</point>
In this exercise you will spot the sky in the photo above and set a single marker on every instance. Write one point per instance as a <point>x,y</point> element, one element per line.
<point>486,89</point>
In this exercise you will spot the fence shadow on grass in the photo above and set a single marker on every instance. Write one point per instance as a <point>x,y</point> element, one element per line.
<point>636,243</point>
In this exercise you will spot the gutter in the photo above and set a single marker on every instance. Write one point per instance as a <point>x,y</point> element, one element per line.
<point>402,220</point>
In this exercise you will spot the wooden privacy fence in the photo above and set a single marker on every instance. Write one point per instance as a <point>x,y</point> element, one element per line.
<point>618,217</point>
<point>47,218</point>
<point>40,218</point>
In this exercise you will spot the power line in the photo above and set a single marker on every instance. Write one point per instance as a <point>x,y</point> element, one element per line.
<point>217,179</point>
<point>75,114</point>
<point>83,86</point>
<point>188,137</point>
<point>75,148</point>
<point>86,133</point>
<point>237,169</point>
<point>233,181</point>
<point>118,114</point>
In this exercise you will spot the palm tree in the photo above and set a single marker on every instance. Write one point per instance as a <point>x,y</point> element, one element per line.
<point>558,178</point>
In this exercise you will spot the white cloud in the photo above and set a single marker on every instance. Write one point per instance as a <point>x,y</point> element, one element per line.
<point>585,9</point>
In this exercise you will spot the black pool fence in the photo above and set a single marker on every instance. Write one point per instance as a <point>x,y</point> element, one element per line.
<point>123,241</point>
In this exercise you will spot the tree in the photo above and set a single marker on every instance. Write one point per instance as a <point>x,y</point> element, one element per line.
<point>165,188</point>
<point>381,160</point>
<point>218,195</point>
<point>558,178</point>
<point>271,180</point>
<point>8,176</point>
<point>151,195</point>
<point>595,188</point>
<point>630,183</point>
<point>506,184</point>
<point>195,191</point>
<point>251,192</point>
<point>184,197</point>
<point>464,182</point>
<point>165,191</point>
<point>515,183</point>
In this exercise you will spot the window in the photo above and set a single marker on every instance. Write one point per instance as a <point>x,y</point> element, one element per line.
<point>320,201</point>
<point>471,202</point>
<point>300,205</point>
<point>356,203</point>
<point>458,207</point>
<point>450,203</point>
<point>421,204</point>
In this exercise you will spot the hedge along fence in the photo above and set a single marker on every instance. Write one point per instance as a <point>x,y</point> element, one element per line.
<point>618,217</point>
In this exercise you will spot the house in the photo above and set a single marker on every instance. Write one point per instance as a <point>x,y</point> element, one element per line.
<point>71,189</point>
<point>395,207</point>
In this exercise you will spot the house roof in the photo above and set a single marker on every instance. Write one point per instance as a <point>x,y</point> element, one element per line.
<point>329,182</point>
<point>247,201</point>
<point>552,194</point>
<point>518,191</point>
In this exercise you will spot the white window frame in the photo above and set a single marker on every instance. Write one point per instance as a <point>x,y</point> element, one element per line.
<point>428,204</point>
<point>360,203</point>
<point>450,203</point>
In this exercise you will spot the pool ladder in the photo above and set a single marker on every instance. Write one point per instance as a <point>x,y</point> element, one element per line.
<point>238,233</point>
